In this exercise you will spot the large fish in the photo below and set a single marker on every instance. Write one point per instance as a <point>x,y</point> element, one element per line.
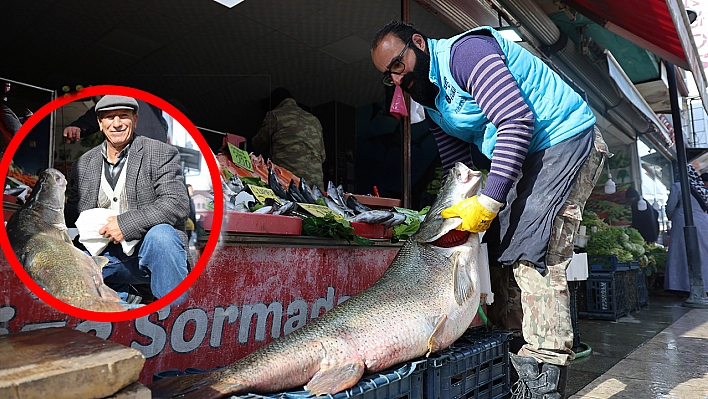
<point>40,241</point>
<point>424,301</point>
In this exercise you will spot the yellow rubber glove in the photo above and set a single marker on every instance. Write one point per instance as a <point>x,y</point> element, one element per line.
<point>477,213</point>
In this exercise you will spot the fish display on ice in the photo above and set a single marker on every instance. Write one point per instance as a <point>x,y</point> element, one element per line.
<point>424,301</point>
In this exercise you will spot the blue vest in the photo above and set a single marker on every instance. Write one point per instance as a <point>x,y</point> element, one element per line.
<point>560,112</point>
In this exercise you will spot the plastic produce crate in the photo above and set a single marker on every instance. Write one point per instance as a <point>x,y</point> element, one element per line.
<point>476,366</point>
<point>606,263</point>
<point>606,296</point>
<point>642,290</point>
<point>404,381</point>
<point>630,288</point>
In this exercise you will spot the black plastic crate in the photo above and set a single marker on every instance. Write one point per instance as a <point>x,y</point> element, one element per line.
<point>606,263</point>
<point>642,290</point>
<point>476,366</point>
<point>404,381</point>
<point>630,288</point>
<point>606,296</point>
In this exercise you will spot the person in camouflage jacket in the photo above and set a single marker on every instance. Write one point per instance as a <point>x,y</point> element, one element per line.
<point>293,137</point>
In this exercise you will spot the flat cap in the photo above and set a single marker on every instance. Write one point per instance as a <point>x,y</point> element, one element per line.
<point>110,102</point>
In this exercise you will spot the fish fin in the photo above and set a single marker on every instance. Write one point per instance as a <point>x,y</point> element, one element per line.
<point>101,261</point>
<point>464,287</point>
<point>108,293</point>
<point>195,386</point>
<point>433,345</point>
<point>437,228</point>
<point>66,237</point>
<point>330,380</point>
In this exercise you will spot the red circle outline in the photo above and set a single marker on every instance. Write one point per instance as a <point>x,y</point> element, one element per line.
<point>209,247</point>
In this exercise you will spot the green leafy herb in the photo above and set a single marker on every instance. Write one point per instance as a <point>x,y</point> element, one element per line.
<point>406,230</point>
<point>255,181</point>
<point>329,226</point>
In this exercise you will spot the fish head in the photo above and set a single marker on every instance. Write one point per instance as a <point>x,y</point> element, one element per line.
<point>48,192</point>
<point>461,182</point>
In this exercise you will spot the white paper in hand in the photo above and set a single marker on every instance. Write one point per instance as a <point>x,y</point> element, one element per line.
<point>90,222</point>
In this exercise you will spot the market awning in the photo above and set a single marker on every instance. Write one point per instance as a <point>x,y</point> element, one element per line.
<point>660,26</point>
<point>635,97</point>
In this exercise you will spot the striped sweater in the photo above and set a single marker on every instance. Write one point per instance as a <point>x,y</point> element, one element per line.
<point>477,64</point>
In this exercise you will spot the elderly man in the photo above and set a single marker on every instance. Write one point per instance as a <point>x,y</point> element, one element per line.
<point>141,180</point>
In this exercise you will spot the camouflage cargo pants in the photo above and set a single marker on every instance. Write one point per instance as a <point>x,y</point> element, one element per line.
<point>545,300</point>
<point>539,305</point>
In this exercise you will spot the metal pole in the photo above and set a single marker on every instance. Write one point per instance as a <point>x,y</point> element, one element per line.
<point>406,129</point>
<point>697,297</point>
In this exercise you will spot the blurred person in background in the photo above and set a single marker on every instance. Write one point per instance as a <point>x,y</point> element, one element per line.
<point>676,275</point>
<point>644,217</point>
<point>293,137</point>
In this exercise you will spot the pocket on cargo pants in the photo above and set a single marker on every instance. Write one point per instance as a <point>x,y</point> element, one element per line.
<point>567,222</point>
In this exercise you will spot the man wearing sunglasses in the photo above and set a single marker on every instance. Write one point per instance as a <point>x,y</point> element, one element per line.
<point>480,89</point>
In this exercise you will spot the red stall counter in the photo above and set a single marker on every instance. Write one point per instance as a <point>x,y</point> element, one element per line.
<point>255,288</point>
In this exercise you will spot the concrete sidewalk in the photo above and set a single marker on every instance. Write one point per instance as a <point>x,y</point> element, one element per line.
<point>656,352</point>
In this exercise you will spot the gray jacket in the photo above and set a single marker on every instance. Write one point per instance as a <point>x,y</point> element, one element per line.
<point>154,187</point>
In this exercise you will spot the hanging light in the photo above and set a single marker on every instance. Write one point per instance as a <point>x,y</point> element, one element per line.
<point>642,204</point>
<point>610,186</point>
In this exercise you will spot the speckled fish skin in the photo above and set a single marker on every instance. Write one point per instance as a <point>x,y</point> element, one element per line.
<point>425,300</point>
<point>40,241</point>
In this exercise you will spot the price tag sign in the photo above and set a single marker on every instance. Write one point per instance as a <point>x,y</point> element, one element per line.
<point>261,193</point>
<point>240,157</point>
<point>318,210</point>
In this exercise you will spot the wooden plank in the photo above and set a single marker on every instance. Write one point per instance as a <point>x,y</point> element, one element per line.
<point>64,363</point>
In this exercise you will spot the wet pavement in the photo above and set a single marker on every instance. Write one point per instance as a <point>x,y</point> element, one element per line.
<point>656,352</point>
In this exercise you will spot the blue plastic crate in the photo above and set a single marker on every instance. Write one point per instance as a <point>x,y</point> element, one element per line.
<point>606,263</point>
<point>606,296</point>
<point>476,366</point>
<point>404,381</point>
<point>634,264</point>
<point>642,289</point>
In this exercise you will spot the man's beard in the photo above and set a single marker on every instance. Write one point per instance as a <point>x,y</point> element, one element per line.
<point>422,90</point>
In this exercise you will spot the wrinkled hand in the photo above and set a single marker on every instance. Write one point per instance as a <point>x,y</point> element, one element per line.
<point>72,133</point>
<point>476,212</point>
<point>112,230</point>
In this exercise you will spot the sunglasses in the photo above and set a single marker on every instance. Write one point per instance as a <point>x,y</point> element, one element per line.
<point>396,67</point>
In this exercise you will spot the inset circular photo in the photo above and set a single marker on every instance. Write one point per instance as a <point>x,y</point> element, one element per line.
<point>99,203</point>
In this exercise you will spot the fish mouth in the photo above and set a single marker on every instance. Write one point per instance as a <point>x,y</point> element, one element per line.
<point>59,178</point>
<point>464,175</point>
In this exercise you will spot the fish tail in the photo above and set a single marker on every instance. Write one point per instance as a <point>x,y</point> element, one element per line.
<point>196,386</point>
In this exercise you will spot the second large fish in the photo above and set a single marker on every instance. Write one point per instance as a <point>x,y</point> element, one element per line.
<point>40,241</point>
<point>425,300</point>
